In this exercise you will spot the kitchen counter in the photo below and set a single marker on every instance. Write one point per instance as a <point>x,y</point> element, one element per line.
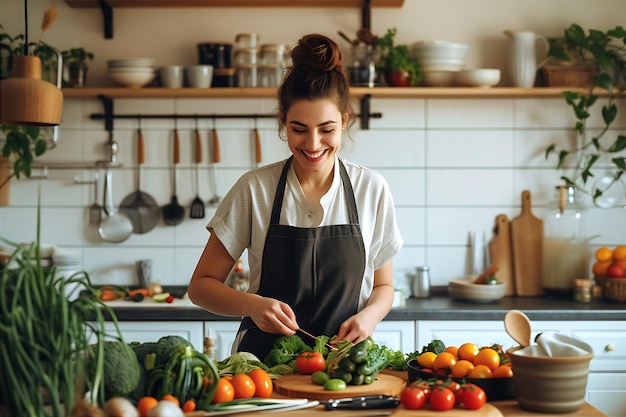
<point>435,308</point>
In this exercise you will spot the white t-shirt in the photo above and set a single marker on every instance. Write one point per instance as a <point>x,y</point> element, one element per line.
<point>242,219</point>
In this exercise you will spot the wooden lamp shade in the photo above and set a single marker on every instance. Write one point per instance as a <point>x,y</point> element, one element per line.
<point>26,99</point>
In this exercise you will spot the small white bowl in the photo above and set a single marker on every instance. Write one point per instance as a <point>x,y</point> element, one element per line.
<point>477,293</point>
<point>482,77</point>
<point>132,79</point>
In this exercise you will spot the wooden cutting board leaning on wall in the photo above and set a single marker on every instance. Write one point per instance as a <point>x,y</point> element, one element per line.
<point>500,253</point>
<point>527,249</point>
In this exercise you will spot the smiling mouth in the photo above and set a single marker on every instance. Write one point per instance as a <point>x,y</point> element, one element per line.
<point>313,155</point>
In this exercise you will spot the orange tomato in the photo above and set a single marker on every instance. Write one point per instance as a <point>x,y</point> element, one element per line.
<point>224,392</point>
<point>599,268</point>
<point>452,349</point>
<point>190,405</point>
<point>480,371</point>
<point>145,404</point>
<point>619,253</point>
<point>487,356</point>
<point>243,385</point>
<point>467,351</point>
<point>462,368</point>
<point>503,371</point>
<point>262,383</point>
<point>444,361</point>
<point>426,359</point>
<point>604,254</point>
<point>170,397</point>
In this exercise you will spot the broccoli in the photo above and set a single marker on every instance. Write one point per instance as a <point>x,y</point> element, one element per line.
<point>435,346</point>
<point>320,345</point>
<point>121,371</point>
<point>285,350</point>
<point>166,345</point>
<point>143,349</point>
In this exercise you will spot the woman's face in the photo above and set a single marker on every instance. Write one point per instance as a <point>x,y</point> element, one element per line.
<point>314,131</point>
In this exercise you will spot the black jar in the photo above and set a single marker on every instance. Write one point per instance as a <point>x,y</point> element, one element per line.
<point>216,54</point>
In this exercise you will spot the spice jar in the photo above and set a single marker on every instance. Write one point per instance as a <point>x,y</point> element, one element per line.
<point>583,290</point>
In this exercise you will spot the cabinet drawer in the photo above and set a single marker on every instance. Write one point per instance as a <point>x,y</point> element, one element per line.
<point>609,348</point>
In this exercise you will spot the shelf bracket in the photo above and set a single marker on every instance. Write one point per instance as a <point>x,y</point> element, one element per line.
<point>107,18</point>
<point>365,114</point>
<point>366,15</point>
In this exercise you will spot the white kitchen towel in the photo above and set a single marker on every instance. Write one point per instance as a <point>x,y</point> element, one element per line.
<point>555,344</point>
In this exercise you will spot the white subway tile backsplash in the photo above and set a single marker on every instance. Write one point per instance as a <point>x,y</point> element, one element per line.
<point>470,148</point>
<point>479,187</point>
<point>469,113</point>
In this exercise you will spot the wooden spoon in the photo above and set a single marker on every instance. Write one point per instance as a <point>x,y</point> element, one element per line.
<point>517,325</point>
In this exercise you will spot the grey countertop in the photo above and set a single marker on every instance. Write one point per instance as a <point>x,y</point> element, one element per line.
<point>434,308</point>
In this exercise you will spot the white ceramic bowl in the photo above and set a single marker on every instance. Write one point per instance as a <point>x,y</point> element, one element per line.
<point>133,78</point>
<point>482,77</point>
<point>438,78</point>
<point>477,293</point>
<point>142,62</point>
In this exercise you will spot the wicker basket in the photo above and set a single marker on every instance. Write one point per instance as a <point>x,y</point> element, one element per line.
<point>613,289</point>
<point>568,75</point>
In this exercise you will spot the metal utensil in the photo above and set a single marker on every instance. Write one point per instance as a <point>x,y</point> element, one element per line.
<point>197,205</point>
<point>116,227</point>
<point>95,210</point>
<point>173,213</point>
<point>215,200</point>
<point>142,210</point>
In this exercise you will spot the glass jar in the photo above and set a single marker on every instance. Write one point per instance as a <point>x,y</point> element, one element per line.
<point>566,252</point>
<point>362,69</point>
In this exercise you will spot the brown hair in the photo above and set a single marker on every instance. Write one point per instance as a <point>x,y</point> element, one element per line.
<point>317,72</point>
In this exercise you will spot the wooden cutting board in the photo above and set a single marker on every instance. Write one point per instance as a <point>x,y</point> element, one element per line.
<point>527,249</point>
<point>300,386</point>
<point>500,253</point>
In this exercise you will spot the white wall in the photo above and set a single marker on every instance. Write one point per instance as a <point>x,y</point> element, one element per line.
<point>452,164</point>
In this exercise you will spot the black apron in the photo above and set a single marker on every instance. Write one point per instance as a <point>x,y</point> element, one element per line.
<point>317,271</point>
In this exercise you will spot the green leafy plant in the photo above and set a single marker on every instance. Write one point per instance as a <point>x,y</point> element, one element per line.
<point>608,51</point>
<point>23,144</point>
<point>76,56</point>
<point>396,58</point>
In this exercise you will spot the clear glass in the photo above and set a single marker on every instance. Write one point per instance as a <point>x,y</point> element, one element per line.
<point>566,252</point>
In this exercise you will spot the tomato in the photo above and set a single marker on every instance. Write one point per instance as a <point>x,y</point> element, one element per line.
<point>480,371</point>
<point>444,361</point>
<point>467,351</point>
<point>487,356</point>
<point>413,397</point>
<point>188,406</point>
<point>310,362</point>
<point>171,398</point>
<point>503,371</point>
<point>462,368</point>
<point>225,392</point>
<point>455,387</point>
<point>442,398</point>
<point>474,397</point>
<point>426,359</point>
<point>335,384</point>
<point>243,385</point>
<point>319,377</point>
<point>262,383</point>
<point>145,404</point>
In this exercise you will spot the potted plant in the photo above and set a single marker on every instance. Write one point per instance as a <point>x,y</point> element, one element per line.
<point>599,156</point>
<point>400,69</point>
<point>75,61</point>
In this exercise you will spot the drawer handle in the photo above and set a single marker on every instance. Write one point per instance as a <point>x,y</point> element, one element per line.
<point>609,348</point>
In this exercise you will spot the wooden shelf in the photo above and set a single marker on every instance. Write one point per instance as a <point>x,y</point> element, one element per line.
<point>83,4</point>
<point>357,92</point>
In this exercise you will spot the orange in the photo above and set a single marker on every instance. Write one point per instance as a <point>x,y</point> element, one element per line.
<point>604,254</point>
<point>452,349</point>
<point>243,385</point>
<point>426,360</point>
<point>480,371</point>
<point>444,361</point>
<point>467,351</point>
<point>619,253</point>
<point>145,404</point>
<point>262,383</point>
<point>489,357</point>
<point>462,368</point>
<point>224,392</point>
<point>170,397</point>
<point>503,371</point>
<point>599,268</point>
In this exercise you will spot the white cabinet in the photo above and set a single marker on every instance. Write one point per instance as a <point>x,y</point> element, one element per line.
<point>151,331</point>
<point>398,335</point>
<point>222,335</point>
<point>606,385</point>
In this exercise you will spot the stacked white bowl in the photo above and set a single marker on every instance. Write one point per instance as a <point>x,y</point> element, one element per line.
<point>440,61</point>
<point>131,72</point>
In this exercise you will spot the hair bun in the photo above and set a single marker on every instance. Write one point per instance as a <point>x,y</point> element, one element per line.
<point>318,53</point>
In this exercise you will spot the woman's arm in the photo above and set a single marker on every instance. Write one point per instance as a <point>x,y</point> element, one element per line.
<point>362,324</point>
<point>207,290</point>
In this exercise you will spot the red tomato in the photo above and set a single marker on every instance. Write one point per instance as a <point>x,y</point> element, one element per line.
<point>309,362</point>
<point>442,398</point>
<point>474,397</point>
<point>413,397</point>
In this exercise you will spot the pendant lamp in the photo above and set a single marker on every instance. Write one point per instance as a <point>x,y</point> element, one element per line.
<point>26,99</point>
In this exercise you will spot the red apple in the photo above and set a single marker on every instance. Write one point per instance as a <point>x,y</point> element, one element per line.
<point>615,270</point>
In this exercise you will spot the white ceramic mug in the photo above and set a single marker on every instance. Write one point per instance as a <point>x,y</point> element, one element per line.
<point>172,76</point>
<point>199,76</point>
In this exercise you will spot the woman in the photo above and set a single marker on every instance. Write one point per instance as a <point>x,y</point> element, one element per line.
<point>320,231</point>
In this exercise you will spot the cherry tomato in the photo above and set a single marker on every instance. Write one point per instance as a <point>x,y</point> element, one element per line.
<point>309,362</point>
<point>225,392</point>
<point>262,383</point>
<point>442,398</point>
<point>243,385</point>
<point>413,397</point>
<point>474,397</point>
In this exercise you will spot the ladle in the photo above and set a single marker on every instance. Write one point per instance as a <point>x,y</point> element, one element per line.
<point>517,325</point>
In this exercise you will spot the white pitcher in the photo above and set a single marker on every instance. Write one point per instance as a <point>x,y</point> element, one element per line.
<point>523,62</point>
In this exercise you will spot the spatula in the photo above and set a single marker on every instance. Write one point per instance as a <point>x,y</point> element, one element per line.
<point>197,205</point>
<point>173,213</point>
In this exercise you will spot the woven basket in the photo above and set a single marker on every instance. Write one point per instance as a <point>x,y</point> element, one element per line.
<point>568,75</point>
<point>613,289</point>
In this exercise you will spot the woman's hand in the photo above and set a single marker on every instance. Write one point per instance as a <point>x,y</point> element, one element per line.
<point>356,328</point>
<point>273,316</point>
